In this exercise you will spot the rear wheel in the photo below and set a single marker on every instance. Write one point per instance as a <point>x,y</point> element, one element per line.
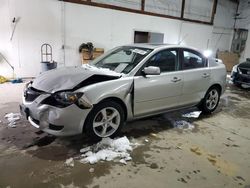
<point>105,120</point>
<point>210,101</point>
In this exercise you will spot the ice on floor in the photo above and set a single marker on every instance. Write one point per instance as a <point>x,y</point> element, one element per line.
<point>194,114</point>
<point>108,150</point>
<point>12,119</point>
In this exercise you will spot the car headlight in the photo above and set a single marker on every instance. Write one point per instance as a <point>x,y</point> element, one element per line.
<point>67,97</point>
<point>234,68</point>
<point>239,71</point>
<point>27,85</point>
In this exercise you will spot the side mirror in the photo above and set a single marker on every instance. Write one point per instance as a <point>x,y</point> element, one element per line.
<point>151,70</point>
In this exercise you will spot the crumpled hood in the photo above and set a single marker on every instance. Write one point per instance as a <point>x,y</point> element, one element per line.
<point>67,78</point>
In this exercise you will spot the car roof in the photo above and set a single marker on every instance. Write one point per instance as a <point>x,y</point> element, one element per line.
<point>154,46</point>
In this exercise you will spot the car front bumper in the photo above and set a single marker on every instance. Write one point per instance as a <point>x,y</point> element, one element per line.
<point>53,120</point>
<point>240,78</point>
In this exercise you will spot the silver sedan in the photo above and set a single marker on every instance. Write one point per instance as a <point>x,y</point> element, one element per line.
<point>127,83</point>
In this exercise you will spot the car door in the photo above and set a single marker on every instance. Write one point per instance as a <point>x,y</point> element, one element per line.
<point>156,93</point>
<point>196,76</point>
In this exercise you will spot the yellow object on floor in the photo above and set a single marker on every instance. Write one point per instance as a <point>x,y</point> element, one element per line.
<point>2,79</point>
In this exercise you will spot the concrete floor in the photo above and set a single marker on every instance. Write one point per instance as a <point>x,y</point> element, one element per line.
<point>216,153</point>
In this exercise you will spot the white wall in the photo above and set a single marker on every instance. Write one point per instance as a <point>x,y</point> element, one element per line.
<point>68,24</point>
<point>39,23</point>
<point>244,23</point>
<point>223,26</point>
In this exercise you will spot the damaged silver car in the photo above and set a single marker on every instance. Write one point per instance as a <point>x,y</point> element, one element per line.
<point>127,83</point>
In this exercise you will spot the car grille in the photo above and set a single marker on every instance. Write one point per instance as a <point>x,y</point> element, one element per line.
<point>31,94</point>
<point>245,71</point>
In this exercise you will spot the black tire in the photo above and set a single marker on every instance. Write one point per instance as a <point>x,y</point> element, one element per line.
<point>89,123</point>
<point>204,107</point>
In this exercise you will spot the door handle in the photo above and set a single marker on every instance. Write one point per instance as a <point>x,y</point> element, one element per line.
<point>206,75</point>
<point>176,79</point>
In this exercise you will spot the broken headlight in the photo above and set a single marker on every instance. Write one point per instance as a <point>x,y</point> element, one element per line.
<point>26,86</point>
<point>67,97</point>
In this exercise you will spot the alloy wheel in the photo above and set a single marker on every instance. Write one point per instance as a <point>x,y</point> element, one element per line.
<point>212,99</point>
<point>106,122</point>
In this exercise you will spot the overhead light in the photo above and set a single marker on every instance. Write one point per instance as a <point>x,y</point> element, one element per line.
<point>207,53</point>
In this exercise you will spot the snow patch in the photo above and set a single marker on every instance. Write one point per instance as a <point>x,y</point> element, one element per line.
<point>108,150</point>
<point>194,114</point>
<point>12,119</point>
<point>245,86</point>
<point>69,162</point>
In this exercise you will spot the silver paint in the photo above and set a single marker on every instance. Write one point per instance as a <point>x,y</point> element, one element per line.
<point>141,95</point>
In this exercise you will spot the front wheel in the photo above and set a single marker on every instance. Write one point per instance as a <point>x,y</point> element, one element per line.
<point>105,120</point>
<point>210,101</point>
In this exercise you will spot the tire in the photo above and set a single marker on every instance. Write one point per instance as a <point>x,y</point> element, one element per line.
<point>105,120</point>
<point>210,101</point>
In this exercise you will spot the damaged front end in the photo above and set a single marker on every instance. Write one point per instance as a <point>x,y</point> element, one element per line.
<point>58,101</point>
<point>59,113</point>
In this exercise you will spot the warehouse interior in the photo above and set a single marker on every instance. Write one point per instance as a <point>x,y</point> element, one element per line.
<point>182,148</point>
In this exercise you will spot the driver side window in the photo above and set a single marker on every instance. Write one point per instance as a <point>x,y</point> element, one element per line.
<point>166,60</point>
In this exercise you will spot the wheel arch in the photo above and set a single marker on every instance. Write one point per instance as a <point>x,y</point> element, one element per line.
<point>115,99</point>
<point>216,85</point>
<point>119,101</point>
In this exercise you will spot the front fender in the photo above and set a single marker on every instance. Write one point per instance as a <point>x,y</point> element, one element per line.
<point>120,88</point>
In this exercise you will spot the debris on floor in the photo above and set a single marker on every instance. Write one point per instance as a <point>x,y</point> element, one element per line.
<point>212,159</point>
<point>153,135</point>
<point>69,162</point>
<point>194,114</point>
<point>16,81</point>
<point>91,170</point>
<point>196,150</point>
<point>182,124</point>
<point>108,150</point>
<point>3,79</point>
<point>12,119</point>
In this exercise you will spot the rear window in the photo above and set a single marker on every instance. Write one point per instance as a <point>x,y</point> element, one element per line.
<point>192,60</point>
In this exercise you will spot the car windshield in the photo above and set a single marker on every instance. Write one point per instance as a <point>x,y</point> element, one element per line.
<point>123,59</point>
